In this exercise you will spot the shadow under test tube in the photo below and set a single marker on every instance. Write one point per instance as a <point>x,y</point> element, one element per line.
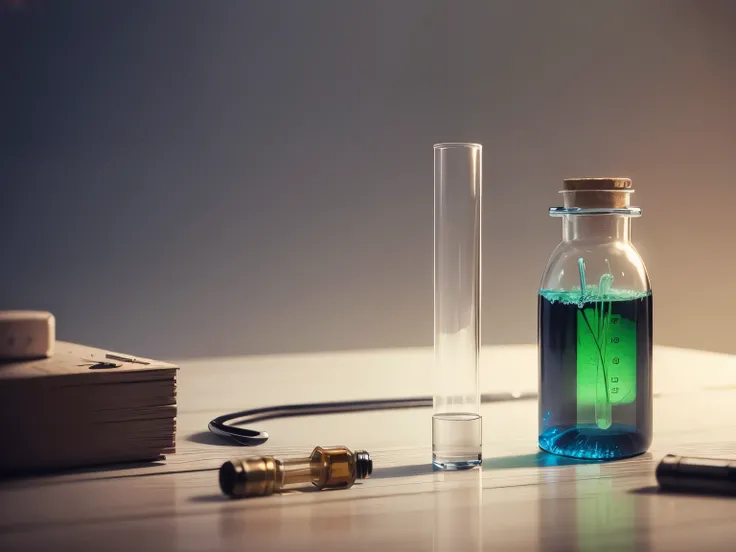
<point>456,421</point>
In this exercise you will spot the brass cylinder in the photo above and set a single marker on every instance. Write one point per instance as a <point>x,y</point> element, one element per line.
<point>325,468</point>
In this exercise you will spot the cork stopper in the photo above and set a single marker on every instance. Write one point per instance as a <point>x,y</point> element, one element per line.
<point>597,193</point>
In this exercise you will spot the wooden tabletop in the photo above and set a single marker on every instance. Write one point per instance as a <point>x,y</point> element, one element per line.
<point>521,499</point>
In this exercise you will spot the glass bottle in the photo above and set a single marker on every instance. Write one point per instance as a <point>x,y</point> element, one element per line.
<point>595,328</point>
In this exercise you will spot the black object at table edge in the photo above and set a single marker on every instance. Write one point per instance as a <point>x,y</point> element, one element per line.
<point>697,475</point>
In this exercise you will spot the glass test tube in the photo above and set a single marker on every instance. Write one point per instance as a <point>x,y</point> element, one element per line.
<point>456,420</point>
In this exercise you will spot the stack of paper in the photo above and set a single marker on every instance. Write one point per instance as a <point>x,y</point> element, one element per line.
<point>85,406</point>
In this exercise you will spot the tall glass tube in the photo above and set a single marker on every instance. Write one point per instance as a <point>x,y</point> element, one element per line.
<point>456,421</point>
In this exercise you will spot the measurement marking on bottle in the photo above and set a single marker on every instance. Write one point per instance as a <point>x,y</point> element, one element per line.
<point>606,363</point>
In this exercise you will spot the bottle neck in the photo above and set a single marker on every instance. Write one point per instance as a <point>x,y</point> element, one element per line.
<point>596,228</point>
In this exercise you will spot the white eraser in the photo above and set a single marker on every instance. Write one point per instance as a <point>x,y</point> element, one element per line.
<point>26,334</point>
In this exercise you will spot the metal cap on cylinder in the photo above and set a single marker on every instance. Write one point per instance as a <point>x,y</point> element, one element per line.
<point>255,476</point>
<point>363,464</point>
<point>597,193</point>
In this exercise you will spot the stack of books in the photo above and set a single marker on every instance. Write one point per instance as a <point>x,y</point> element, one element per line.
<point>83,407</point>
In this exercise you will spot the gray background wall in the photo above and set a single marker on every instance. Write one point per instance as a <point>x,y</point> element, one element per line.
<point>214,178</point>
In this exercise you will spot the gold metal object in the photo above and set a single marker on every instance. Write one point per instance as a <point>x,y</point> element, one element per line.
<point>597,193</point>
<point>325,468</point>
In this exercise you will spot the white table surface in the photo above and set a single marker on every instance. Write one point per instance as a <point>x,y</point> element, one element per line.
<point>521,499</point>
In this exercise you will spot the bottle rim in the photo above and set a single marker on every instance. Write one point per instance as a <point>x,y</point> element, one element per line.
<point>562,211</point>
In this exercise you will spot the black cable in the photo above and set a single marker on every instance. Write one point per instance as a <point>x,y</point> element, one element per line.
<point>250,437</point>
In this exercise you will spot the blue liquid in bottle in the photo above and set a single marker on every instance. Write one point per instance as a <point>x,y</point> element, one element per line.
<point>595,356</point>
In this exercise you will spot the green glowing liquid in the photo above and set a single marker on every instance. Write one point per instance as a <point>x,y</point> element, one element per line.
<point>606,350</point>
